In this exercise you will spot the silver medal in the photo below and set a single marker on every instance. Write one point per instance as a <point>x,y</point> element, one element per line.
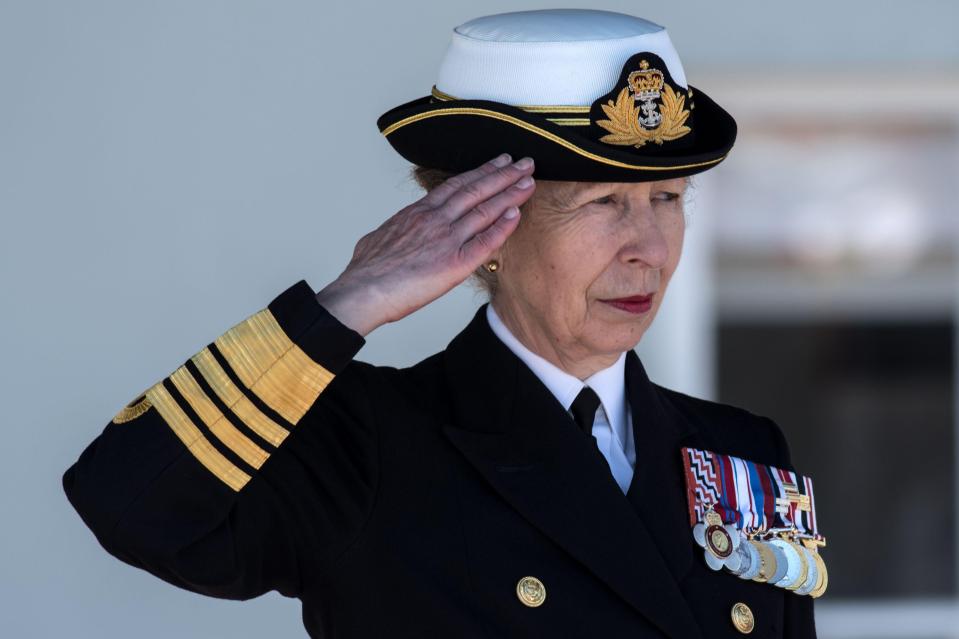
<point>735,534</point>
<point>733,561</point>
<point>793,563</point>
<point>782,564</point>
<point>699,534</point>
<point>744,560</point>
<point>713,561</point>
<point>754,563</point>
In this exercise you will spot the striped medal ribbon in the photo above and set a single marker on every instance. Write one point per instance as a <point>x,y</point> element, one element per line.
<point>755,521</point>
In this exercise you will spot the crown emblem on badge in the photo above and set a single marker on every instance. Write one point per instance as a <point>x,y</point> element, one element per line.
<point>647,85</point>
<point>635,117</point>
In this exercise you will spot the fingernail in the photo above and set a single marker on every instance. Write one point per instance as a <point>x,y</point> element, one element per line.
<point>525,163</point>
<point>525,183</point>
<point>511,212</point>
<point>502,160</point>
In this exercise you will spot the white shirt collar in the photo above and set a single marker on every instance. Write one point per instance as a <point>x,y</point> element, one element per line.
<point>609,383</point>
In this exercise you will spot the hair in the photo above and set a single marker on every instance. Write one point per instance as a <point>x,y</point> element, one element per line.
<point>481,279</point>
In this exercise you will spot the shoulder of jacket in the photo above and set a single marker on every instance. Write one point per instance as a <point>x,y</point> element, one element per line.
<point>739,431</point>
<point>419,386</point>
<point>422,373</point>
<point>421,382</point>
<point>703,409</point>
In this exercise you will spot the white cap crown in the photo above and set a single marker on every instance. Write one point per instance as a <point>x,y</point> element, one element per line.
<point>549,56</point>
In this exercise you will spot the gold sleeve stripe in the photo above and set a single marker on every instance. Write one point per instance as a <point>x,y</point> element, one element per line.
<point>196,443</point>
<point>218,424</point>
<point>272,366</point>
<point>236,400</point>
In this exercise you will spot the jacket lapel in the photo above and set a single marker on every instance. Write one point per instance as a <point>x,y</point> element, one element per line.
<point>657,490</point>
<point>513,431</point>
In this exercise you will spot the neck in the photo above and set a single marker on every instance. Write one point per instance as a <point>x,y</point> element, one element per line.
<point>533,332</point>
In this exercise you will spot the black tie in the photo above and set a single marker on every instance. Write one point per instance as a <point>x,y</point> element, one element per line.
<point>584,409</point>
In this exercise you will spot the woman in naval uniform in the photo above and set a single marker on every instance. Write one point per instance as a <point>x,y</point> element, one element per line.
<point>527,481</point>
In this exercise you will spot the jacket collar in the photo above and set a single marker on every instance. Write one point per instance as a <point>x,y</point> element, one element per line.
<point>519,437</point>
<point>608,383</point>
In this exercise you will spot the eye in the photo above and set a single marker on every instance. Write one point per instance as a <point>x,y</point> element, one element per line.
<point>666,196</point>
<point>606,199</point>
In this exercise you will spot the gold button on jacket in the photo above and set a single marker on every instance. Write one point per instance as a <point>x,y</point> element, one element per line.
<point>743,618</point>
<point>531,591</point>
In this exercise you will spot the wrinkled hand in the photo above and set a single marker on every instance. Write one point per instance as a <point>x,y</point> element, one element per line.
<point>430,246</point>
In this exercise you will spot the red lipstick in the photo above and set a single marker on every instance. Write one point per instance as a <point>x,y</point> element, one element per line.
<point>636,304</point>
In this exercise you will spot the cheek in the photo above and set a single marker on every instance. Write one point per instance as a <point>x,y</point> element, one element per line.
<point>577,255</point>
<point>562,268</point>
<point>538,262</point>
<point>562,256</point>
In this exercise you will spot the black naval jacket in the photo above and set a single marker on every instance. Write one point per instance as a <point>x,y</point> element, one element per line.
<point>409,502</point>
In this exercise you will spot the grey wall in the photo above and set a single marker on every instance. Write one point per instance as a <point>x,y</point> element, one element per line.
<point>167,168</point>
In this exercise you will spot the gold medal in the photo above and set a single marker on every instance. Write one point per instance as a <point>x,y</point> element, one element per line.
<point>716,538</point>
<point>822,577</point>
<point>822,580</point>
<point>719,541</point>
<point>767,561</point>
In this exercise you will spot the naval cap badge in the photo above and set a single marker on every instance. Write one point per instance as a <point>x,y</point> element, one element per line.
<point>643,106</point>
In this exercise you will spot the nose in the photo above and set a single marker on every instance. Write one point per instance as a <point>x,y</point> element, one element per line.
<point>646,245</point>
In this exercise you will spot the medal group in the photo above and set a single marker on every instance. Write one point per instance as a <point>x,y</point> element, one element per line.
<point>756,521</point>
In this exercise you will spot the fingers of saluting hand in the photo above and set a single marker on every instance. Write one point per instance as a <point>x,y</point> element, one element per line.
<point>432,245</point>
<point>438,196</point>
<point>478,248</point>
<point>487,225</point>
<point>484,211</point>
<point>477,195</point>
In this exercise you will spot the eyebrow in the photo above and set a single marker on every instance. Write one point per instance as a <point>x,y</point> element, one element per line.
<point>571,198</point>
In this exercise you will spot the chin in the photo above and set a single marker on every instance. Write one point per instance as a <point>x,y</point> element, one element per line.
<point>618,340</point>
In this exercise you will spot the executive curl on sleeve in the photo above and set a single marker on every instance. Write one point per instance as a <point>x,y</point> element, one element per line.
<point>227,476</point>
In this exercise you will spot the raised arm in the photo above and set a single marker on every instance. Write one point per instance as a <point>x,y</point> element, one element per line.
<point>255,463</point>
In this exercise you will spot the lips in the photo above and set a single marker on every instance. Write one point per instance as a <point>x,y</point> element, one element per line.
<point>635,299</point>
<point>635,304</point>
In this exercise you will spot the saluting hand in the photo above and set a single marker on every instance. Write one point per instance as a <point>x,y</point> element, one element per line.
<point>430,246</point>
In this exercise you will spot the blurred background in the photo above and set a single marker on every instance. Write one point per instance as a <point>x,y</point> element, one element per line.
<point>166,169</point>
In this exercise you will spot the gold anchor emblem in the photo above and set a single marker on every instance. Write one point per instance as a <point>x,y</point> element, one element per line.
<point>635,125</point>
